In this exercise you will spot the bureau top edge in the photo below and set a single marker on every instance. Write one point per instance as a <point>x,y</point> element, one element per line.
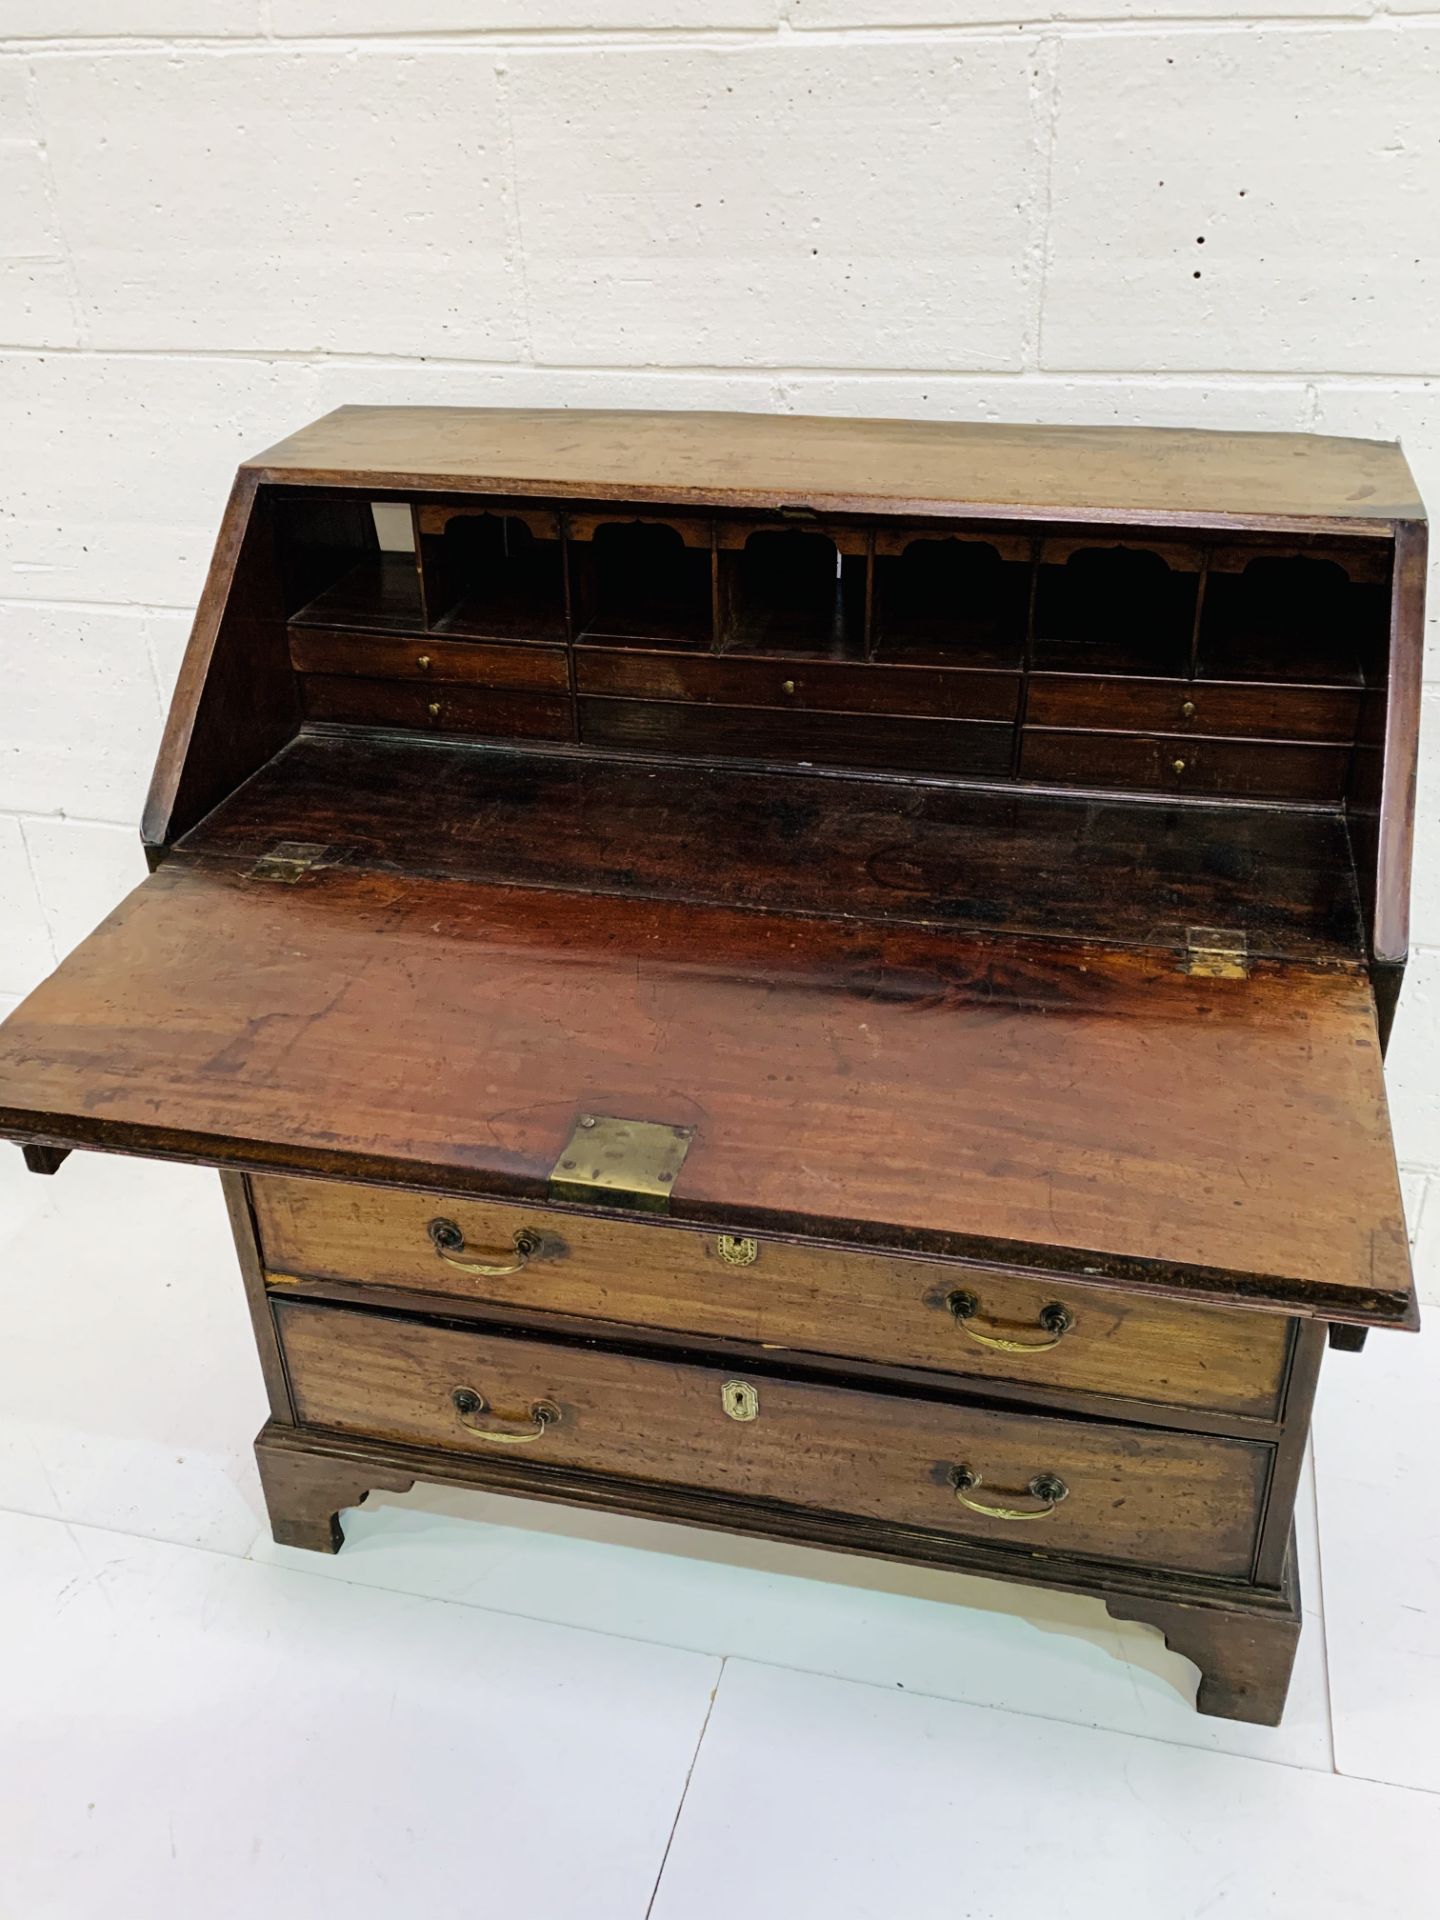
<point>1160,477</point>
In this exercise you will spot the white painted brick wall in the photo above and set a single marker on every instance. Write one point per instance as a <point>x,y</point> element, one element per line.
<point>282,199</point>
<point>787,203</point>
<point>1259,200</point>
<point>61,19</point>
<point>221,217</point>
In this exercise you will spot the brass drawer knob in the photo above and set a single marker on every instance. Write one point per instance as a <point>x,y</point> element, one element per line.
<point>1054,1321</point>
<point>1178,766</point>
<point>467,1403</point>
<point>448,1241</point>
<point>1187,709</point>
<point>1048,1488</point>
<point>787,686</point>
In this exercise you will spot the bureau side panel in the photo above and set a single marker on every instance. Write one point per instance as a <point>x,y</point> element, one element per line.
<point>236,701</point>
<point>236,1189</point>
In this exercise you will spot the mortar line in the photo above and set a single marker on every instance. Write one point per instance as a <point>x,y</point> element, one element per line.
<point>81,605</point>
<point>52,205</point>
<point>1046,98</point>
<point>29,856</point>
<point>1362,20</point>
<point>761,373</point>
<point>514,228</point>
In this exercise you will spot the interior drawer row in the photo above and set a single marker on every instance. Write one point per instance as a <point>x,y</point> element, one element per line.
<point>1283,743</point>
<point>953,1320</point>
<point>1103,702</point>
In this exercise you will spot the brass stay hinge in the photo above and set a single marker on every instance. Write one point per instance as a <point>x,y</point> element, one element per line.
<point>287,860</point>
<point>1216,953</point>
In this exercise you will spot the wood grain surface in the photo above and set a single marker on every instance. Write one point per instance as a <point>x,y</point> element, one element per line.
<point>1036,1102</point>
<point>1106,868</point>
<point>795,1299</point>
<point>1131,474</point>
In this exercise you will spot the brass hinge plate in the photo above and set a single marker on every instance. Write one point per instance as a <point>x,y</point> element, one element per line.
<point>1216,953</point>
<point>287,860</point>
<point>620,1163</point>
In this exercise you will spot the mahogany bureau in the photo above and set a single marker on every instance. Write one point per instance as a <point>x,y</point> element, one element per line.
<point>824,979</point>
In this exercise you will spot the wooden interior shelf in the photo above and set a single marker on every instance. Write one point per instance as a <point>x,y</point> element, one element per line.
<point>798,591</point>
<point>945,601</point>
<point>494,575</point>
<point>334,571</point>
<point>381,592</point>
<point>1115,609</point>
<point>1293,618</point>
<point>642,579</point>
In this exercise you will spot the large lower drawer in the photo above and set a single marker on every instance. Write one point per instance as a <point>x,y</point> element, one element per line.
<point>1086,1487</point>
<point>902,1312</point>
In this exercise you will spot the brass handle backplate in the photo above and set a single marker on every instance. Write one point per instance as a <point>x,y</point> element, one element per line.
<point>467,1403</point>
<point>1054,1321</point>
<point>1046,1487</point>
<point>448,1241</point>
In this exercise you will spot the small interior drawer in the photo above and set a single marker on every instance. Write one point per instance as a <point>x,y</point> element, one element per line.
<point>1085,1487</point>
<point>531,669</point>
<point>862,1306</point>
<point>1125,703</point>
<point>497,712</point>
<point>825,739</point>
<point>798,685</point>
<point>1181,763</point>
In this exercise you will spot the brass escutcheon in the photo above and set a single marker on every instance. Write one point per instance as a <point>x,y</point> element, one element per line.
<point>735,1252</point>
<point>740,1400</point>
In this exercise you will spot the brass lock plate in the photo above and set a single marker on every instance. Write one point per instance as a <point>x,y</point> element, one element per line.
<point>620,1163</point>
<point>740,1400</point>
<point>736,1252</point>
